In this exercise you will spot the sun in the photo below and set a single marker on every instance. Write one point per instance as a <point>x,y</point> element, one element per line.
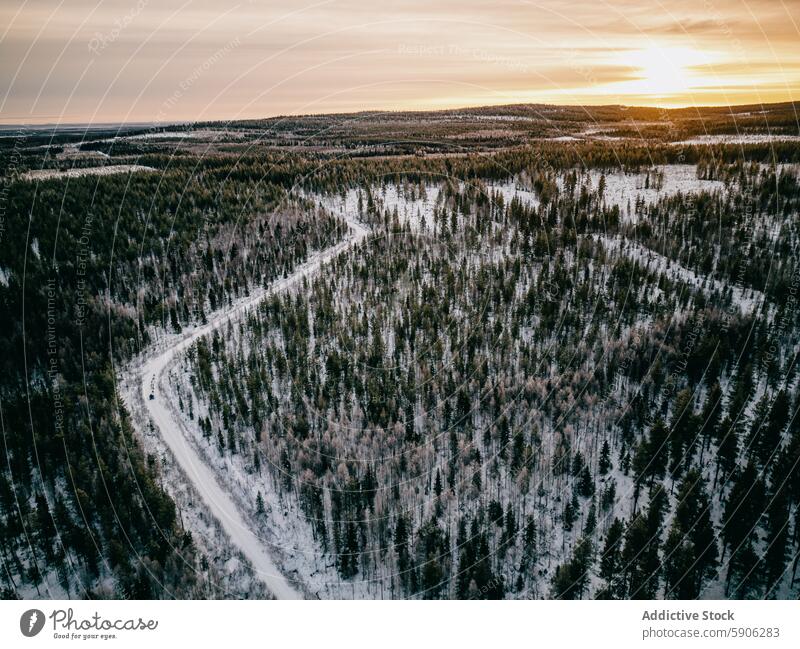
<point>665,71</point>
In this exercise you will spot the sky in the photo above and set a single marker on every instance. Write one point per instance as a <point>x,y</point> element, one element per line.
<point>79,61</point>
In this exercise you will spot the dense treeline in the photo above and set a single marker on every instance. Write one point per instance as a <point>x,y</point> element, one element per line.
<point>93,268</point>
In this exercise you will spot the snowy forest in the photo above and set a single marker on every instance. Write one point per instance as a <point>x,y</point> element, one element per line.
<point>450,410</point>
<point>545,367</point>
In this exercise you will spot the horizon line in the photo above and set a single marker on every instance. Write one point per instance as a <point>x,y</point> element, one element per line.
<point>379,111</point>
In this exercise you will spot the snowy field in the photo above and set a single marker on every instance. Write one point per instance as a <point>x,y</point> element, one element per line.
<point>743,138</point>
<point>512,189</point>
<point>202,134</point>
<point>412,208</point>
<point>49,174</point>
<point>623,189</point>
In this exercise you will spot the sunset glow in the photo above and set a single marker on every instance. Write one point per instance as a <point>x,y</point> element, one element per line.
<point>665,71</point>
<point>129,60</point>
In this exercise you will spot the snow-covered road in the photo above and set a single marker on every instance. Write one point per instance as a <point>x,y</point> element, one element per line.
<point>152,371</point>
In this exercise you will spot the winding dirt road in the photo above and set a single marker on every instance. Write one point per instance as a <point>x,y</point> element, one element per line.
<point>153,370</point>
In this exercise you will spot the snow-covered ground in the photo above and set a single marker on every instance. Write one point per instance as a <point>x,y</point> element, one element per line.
<point>746,299</point>
<point>624,189</point>
<point>511,189</point>
<point>412,208</point>
<point>621,189</point>
<point>72,151</point>
<point>148,376</point>
<point>108,170</point>
<point>743,138</point>
<point>161,135</point>
<point>201,134</point>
